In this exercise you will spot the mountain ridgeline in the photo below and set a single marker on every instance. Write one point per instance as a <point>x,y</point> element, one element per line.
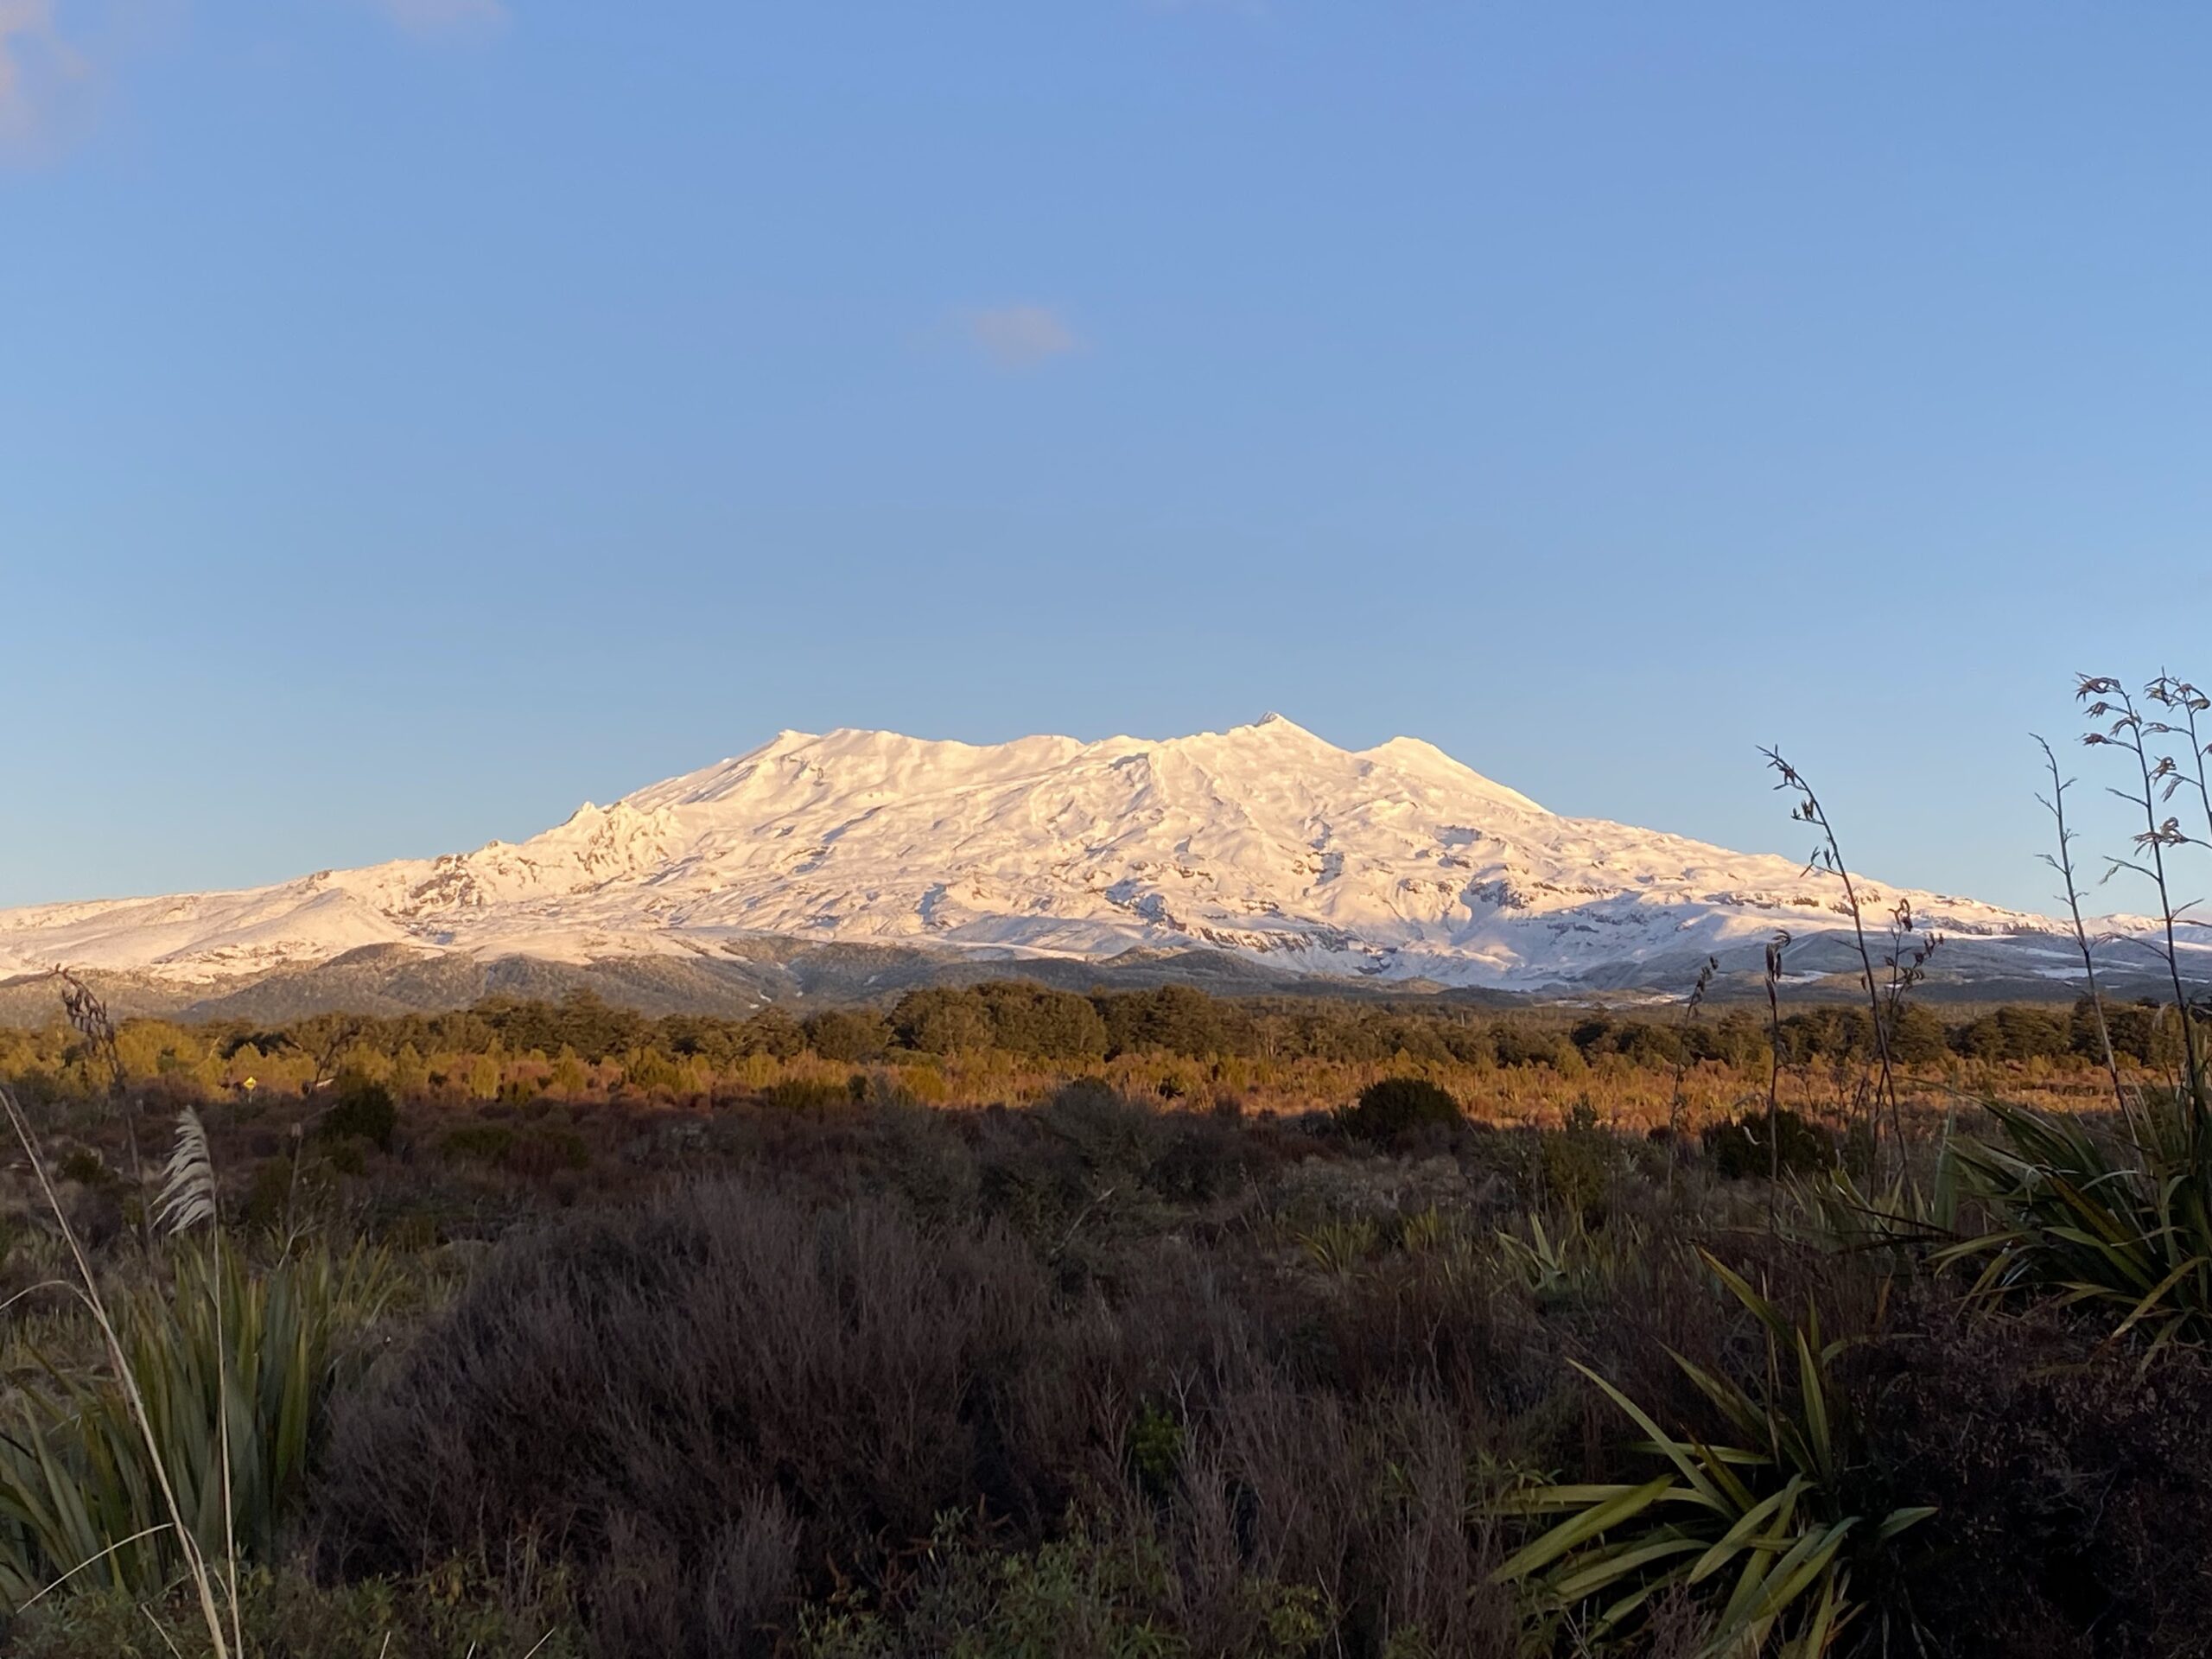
<point>1262,858</point>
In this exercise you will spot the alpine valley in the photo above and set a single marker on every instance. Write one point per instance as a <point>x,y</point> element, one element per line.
<point>850,863</point>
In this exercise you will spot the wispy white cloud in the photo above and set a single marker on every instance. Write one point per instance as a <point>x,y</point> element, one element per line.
<point>1241,8</point>
<point>39,73</point>
<point>1019,336</point>
<point>443,17</point>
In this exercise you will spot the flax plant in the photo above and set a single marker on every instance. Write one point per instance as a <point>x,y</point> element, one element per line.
<point>2120,1225</point>
<point>2159,776</point>
<point>1775,947</point>
<point>2062,861</point>
<point>1758,1525</point>
<point>1828,855</point>
<point>1674,1105</point>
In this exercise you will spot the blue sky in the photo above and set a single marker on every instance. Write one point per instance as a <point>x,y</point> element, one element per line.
<point>418,416</point>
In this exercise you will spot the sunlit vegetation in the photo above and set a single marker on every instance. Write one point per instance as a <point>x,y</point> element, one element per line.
<point>1003,1323</point>
<point>1010,1041</point>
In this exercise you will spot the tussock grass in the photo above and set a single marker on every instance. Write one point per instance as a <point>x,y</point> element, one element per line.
<point>221,1354</point>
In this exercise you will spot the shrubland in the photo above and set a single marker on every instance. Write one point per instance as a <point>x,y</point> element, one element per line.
<point>1003,1323</point>
<point>1089,1374</point>
<point>1010,1041</point>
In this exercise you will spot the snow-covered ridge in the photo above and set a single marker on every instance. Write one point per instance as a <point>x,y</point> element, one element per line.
<point>1396,862</point>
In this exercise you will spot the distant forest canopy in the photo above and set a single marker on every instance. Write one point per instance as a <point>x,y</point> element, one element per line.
<point>582,1045</point>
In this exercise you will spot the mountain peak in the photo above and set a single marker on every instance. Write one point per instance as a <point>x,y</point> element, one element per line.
<point>1270,728</point>
<point>1393,862</point>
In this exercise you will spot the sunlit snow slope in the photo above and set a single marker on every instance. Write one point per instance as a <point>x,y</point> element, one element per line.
<point>1394,861</point>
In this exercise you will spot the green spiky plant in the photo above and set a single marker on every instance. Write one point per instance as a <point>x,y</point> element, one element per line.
<point>223,1354</point>
<point>1544,1264</point>
<point>2120,1224</point>
<point>185,1454</point>
<point>1900,1223</point>
<point>1341,1248</point>
<point>1567,1259</point>
<point>1759,1531</point>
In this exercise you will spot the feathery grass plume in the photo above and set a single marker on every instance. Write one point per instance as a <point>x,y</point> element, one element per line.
<point>1828,855</point>
<point>50,1500</point>
<point>1761,1526</point>
<point>186,1201</point>
<point>188,1194</point>
<point>2063,862</point>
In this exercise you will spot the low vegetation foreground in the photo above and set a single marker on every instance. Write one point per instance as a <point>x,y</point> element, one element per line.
<point>1008,1322</point>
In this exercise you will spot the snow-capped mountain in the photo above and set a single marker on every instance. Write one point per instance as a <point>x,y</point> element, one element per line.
<point>1396,862</point>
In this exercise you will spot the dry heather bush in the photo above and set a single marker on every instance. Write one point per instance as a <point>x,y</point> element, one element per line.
<point>735,1399</point>
<point>1294,1524</point>
<point>1368,1501</point>
<point>714,1398</point>
<point>1443,1328</point>
<point>2070,1482</point>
